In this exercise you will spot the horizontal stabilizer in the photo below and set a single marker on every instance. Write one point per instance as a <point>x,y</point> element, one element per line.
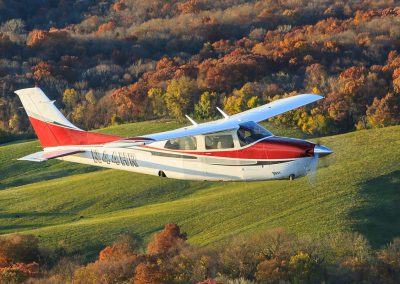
<point>47,155</point>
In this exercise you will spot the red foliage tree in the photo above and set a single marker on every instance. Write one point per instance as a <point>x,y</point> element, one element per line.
<point>167,241</point>
<point>42,70</point>
<point>231,71</point>
<point>106,27</point>
<point>190,6</point>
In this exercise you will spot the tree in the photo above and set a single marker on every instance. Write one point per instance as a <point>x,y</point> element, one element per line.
<point>241,100</point>
<point>205,108</point>
<point>70,98</point>
<point>116,264</point>
<point>388,266</point>
<point>20,248</point>
<point>35,37</point>
<point>302,267</point>
<point>19,257</point>
<point>42,70</point>
<point>231,71</point>
<point>157,99</point>
<point>272,270</point>
<point>180,95</point>
<point>15,29</point>
<point>239,258</point>
<point>149,273</point>
<point>384,112</point>
<point>316,78</point>
<point>167,241</point>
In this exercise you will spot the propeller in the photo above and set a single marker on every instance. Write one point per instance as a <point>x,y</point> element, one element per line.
<point>312,171</point>
<point>319,151</point>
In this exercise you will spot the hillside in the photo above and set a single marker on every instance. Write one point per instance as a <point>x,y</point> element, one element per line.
<point>87,208</point>
<point>131,60</point>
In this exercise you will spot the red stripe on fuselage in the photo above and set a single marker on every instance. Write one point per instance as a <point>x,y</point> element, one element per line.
<point>270,148</point>
<point>51,135</point>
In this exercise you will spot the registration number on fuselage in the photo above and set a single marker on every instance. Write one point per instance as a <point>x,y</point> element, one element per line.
<point>117,158</point>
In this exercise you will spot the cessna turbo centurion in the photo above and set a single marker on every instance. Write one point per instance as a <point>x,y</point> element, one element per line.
<point>234,148</point>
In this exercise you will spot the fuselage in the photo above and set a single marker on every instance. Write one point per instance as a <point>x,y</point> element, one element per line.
<point>268,158</point>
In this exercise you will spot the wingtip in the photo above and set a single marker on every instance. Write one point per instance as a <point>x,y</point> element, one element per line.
<point>316,97</point>
<point>25,91</point>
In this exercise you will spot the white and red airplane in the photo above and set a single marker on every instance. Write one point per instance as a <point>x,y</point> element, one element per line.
<point>234,148</point>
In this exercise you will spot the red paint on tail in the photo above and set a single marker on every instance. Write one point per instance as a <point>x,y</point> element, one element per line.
<point>51,135</point>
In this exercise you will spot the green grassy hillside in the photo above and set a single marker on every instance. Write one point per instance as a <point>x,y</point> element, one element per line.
<point>358,189</point>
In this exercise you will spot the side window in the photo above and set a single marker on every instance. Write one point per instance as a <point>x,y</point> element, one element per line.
<point>224,141</point>
<point>184,143</point>
<point>244,136</point>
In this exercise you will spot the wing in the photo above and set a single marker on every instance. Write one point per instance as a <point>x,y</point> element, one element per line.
<point>47,155</point>
<point>232,122</point>
<point>276,107</point>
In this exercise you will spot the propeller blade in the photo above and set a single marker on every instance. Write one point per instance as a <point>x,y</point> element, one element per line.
<point>312,171</point>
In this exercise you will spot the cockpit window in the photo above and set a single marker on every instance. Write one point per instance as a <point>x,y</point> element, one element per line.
<point>250,132</point>
<point>184,143</point>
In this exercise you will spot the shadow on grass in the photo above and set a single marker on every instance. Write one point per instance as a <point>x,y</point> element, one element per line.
<point>15,228</point>
<point>91,250</point>
<point>379,218</point>
<point>35,176</point>
<point>16,215</point>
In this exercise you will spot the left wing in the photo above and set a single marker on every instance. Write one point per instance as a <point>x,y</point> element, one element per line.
<point>232,122</point>
<point>47,155</point>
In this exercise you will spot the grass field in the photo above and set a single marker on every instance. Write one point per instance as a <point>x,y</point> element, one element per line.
<point>358,189</point>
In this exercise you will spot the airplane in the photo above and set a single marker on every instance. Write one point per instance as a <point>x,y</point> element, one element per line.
<point>233,148</point>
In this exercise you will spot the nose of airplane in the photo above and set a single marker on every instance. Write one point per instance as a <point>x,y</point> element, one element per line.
<point>322,151</point>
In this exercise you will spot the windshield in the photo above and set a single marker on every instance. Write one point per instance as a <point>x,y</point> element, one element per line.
<point>250,132</point>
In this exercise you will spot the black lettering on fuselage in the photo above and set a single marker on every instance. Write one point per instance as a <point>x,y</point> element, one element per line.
<point>117,158</point>
<point>132,160</point>
<point>96,156</point>
<point>123,159</point>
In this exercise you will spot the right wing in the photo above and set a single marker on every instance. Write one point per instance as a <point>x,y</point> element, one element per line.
<point>232,122</point>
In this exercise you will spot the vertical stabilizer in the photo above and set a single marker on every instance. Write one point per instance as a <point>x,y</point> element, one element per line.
<point>51,126</point>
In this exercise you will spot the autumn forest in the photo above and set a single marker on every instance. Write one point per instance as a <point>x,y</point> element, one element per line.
<point>110,62</point>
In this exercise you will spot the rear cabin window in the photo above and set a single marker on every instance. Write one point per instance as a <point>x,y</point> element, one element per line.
<point>184,143</point>
<point>223,141</point>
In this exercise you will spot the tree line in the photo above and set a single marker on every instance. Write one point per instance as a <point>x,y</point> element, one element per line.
<point>127,60</point>
<point>272,256</point>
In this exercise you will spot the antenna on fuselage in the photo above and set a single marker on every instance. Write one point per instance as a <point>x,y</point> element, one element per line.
<point>223,113</point>
<point>191,120</point>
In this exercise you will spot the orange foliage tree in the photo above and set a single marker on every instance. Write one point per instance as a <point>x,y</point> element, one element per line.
<point>167,241</point>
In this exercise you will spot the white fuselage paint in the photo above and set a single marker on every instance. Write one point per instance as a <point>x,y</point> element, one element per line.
<point>198,167</point>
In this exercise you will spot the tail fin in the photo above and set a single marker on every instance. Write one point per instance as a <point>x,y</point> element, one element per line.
<point>51,126</point>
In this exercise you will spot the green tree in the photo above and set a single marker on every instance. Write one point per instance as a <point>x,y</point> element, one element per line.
<point>205,108</point>
<point>301,267</point>
<point>115,120</point>
<point>241,100</point>
<point>157,99</point>
<point>180,95</point>
<point>70,98</point>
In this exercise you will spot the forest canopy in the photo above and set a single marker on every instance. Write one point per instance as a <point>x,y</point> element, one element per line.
<point>109,62</point>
